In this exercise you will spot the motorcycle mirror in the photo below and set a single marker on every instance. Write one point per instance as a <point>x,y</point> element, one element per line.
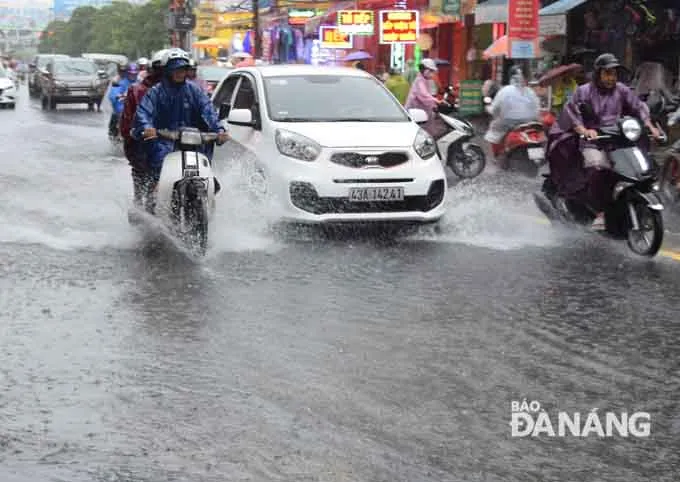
<point>487,100</point>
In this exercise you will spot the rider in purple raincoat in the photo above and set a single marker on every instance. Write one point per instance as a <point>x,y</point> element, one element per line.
<point>580,168</point>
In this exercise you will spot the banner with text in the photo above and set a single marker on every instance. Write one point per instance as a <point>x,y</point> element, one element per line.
<point>523,28</point>
<point>399,26</point>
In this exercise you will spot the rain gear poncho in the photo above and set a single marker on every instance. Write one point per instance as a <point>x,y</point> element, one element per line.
<point>115,92</point>
<point>567,170</point>
<point>420,97</point>
<point>514,104</point>
<point>399,87</point>
<point>134,149</point>
<point>170,106</point>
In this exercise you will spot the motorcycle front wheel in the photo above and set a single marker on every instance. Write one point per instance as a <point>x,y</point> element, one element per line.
<point>647,240</point>
<point>468,164</point>
<point>196,225</point>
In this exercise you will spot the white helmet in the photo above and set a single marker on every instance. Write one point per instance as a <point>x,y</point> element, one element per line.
<point>175,53</point>
<point>429,64</point>
<point>143,61</point>
<point>158,59</point>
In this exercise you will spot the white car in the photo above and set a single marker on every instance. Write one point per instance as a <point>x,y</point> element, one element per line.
<point>8,89</point>
<point>332,144</point>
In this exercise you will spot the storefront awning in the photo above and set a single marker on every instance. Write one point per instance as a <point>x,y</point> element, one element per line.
<point>493,11</point>
<point>561,7</point>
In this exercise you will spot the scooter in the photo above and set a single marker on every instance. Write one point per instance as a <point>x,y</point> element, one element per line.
<point>635,211</point>
<point>466,159</point>
<point>523,147</point>
<point>184,197</point>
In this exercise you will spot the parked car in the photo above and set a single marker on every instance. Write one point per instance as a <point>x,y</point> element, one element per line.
<point>35,71</point>
<point>212,75</point>
<point>72,81</point>
<point>8,89</point>
<point>331,145</point>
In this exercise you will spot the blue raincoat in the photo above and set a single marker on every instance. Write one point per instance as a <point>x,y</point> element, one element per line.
<point>168,106</point>
<point>114,92</point>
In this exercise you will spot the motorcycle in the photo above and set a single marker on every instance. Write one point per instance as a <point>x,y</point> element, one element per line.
<point>466,159</point>
<point>670,173</point>
<point>635,210</point>
<point>185,193</point>
<point>522,148</point>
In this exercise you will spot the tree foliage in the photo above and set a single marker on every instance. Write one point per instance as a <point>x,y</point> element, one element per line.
<point>119,28</point>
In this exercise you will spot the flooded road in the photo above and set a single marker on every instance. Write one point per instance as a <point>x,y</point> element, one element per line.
<point>313,359</point>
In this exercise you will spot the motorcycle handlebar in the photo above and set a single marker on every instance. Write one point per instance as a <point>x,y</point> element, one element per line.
<point>174,135</point>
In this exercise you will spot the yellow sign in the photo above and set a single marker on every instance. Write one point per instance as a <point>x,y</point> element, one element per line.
<point>357,22</point>
<point>332,38</point>
<point>399,26</point>
<point>205,24</point>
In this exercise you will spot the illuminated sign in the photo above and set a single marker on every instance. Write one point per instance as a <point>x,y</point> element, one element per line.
<point>300,17</point>
<point>332,38</point>
<point>399,26</point>
<point>357,22</point>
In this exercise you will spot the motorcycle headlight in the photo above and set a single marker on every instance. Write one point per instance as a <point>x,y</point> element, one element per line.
<point>191,138</point>
<point>631,129</point>
<point>424,145</point>
<point>296,146</point>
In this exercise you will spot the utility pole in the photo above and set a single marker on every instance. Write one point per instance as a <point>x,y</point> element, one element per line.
<point>256,29</point>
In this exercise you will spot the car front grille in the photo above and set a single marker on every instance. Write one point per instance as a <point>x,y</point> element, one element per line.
<point>359,160</point>
<point>305,197</point>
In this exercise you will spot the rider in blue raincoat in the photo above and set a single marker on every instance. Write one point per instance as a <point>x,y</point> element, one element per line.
<point>171,104</point>
<point>117,95</point>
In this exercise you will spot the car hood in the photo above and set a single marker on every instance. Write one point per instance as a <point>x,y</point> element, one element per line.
<point>5,82</point>
<point>75,79</point>
<point>355,134</point>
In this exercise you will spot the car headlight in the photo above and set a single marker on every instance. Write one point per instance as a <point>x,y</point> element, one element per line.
<point>296,146</point>
<point>424,144</point>
<point>631,129</point>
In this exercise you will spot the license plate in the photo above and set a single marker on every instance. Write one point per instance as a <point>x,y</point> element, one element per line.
<point>536,153</point>
<point>369,194</point>
<point>79,92</point>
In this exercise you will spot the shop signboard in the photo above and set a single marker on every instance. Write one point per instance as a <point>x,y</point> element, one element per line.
<point>206,24</point>
<point>399,26</point>
<point>523,30</point>
<point>356,22</point>
<point>300,17</point>
<point>451,7</point>
<point>471,97</point>
<point>332,38</point>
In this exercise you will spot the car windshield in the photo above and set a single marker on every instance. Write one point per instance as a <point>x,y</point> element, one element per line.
<point>75,67</point>
<point>330,98</point>
<point>214,74</point>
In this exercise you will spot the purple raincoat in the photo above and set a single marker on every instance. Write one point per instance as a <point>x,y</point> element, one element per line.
<point>567,172</point>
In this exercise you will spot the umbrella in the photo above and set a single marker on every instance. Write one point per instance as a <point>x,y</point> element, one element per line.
<point>215,42</point>
<point>441,62</point>
<point>497,49</point>
<point>359,55</point>
<point>500,48</point>
<point>557,72</point>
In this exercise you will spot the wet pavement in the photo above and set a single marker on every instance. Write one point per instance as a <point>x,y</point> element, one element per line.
<point>307,358</point>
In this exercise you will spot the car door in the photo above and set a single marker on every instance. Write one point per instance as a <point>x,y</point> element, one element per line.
<point>246,97</point>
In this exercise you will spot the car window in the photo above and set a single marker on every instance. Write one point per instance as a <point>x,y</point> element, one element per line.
<point>226,91</point>
<point>75,67</point>
<point>245,97</point>
<point>330,98</point>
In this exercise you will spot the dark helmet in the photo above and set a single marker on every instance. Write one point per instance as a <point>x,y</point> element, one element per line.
<point>606,61</point>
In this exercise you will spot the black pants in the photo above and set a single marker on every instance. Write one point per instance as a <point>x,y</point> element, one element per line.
<point>113,124</point>
<point>143,186</point>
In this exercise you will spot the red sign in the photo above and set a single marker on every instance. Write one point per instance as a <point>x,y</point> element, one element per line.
<point>399,26</point>
<point>332,38</point>
<point>523,19</point>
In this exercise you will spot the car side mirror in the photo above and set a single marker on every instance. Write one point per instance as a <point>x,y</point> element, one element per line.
<point>224,110</point>
<point>102,74</point>
<point>419,116</point>
<point>241,117</point>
